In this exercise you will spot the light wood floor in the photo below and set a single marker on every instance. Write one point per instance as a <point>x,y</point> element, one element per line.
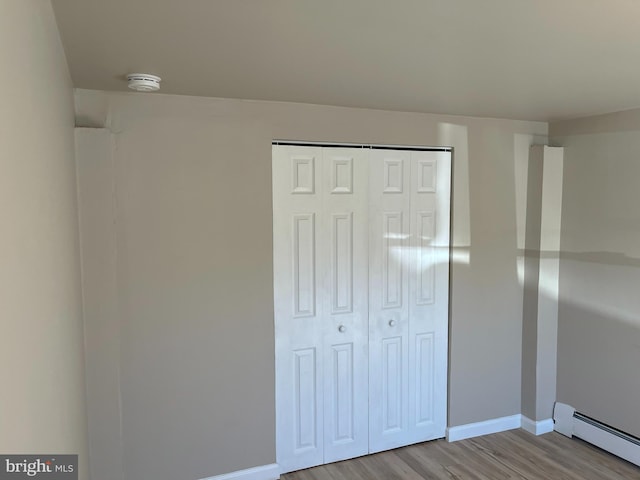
<point>515,454</point>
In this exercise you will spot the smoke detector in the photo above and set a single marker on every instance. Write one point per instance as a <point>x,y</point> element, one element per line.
<point>143,82</point>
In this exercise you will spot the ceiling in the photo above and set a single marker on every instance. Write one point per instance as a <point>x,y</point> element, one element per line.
<point>521,59</point>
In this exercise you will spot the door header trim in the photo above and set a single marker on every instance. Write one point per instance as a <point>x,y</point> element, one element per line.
<point>373,146</point>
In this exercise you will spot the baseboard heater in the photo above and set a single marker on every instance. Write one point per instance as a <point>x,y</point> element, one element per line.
<point>571,423</point>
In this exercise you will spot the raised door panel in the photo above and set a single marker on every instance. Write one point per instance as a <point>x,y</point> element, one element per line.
<point>429,294</point>
<point>392,386</point>
<point>304,264</point>
<point>341,267</point>
<point>297,203</point>
<point>305,423</point>
<point>343,243</point>
<point>424,374</point>
<point>388,298</point>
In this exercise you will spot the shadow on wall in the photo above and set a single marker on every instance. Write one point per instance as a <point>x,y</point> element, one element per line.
<point>599,337</point>
<point>604,284</point>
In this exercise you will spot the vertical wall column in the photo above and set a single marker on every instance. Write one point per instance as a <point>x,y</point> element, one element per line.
<point>96,210</point>
<point>541,284</point>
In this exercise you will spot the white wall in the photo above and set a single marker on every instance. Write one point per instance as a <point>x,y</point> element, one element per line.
<point>192,308</point>
<point>42,407</point>
<point>599,314</point>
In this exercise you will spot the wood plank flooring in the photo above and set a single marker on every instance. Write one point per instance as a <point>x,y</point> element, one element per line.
<point>515,454</point>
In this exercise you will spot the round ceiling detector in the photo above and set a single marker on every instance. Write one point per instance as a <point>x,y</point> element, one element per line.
<point>143,82</point>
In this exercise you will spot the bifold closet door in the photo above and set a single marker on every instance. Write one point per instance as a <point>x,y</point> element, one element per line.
<point>321,319</point>
<point>389,199</point>
<point>408,296</point>
<point>429,294</point>
<point>361,285</point>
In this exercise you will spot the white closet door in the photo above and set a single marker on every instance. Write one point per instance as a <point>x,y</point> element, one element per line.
<point>361,284</point>
<point>389,199</point>
<point>429,294</point>
<point>409,296</point>
<point>321,311</point>
<point>297,205</point>
<point>344,261</point>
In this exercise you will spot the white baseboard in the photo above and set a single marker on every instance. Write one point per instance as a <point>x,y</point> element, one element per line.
<point>539,427</point>
<point>487,427</point>
<point>264,472</point>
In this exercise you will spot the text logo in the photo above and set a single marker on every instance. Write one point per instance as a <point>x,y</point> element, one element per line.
<point>39,467</point>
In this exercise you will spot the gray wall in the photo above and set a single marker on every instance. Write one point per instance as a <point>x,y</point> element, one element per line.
<point>598,324</point>
<point>186,226</point>
<point>42,407</point>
